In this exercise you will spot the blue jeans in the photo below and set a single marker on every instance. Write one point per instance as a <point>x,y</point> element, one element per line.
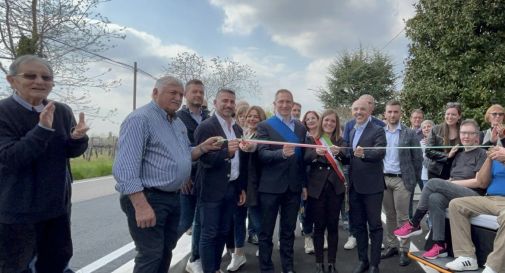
<point>306,219</point>
<point>254,220</point>
<point>239,225</point>
<point>190,215</point>
<point>216,220</point>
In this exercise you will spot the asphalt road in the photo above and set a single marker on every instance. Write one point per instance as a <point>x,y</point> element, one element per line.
<point>102,243</point>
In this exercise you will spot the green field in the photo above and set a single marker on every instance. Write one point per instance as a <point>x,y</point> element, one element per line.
<point>82,169</point>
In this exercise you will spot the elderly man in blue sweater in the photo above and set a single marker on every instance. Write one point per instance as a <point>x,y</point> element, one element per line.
<point>37,138</point>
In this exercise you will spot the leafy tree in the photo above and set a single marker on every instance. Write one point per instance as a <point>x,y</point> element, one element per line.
<point>68,34</point>
<point>457,53</point>
<point>353,74</point>
<point>216,73</point>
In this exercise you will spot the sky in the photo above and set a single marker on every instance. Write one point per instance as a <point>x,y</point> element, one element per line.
<point>288,43</point>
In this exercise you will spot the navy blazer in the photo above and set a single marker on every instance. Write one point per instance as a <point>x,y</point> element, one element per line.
<point>366,174</point>
<point>278,174</point>
<point>214,167</point>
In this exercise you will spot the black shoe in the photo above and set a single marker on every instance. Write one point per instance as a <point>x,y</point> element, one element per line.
<point>373,269</point>
<point>253,239</point>
<point>332,268</point>
<point>404,259</point>
<point>319,268</point>
<point>361,268</point>
<point>389,252</point>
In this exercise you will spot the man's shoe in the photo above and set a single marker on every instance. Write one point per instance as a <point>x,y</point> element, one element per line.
<point>309,245</point>
<point>407,230</point>
<point>463,264</point>
<point>389,252</point>
<point>373,269</point>
<point>194,267</point>
<point>351,243</point>
<point>236,262</point>
<point>404,259</point>
<point>332,268</point>
<point>253,239</point>
<point>319,268</point>
<point>362,267</point>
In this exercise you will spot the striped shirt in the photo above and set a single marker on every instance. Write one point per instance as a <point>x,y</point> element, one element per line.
<point>153,152</point>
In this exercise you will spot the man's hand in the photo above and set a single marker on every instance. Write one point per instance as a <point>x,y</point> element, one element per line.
<point>241,198</point>
<point>144,213</point>
<point>359,152</point>
<point>247,147</point>
<point>288,150</point>
<point>210,144</point>
<point>46,117</point>
<point>453,151</point>
<point>187,187</point>
<point>233,146</point>
<point>80,129</point>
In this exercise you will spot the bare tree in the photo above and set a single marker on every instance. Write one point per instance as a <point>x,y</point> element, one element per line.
<point>69,34</point>
<point>216,73</point>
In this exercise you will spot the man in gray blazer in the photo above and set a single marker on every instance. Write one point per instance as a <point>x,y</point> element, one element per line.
<point>402,170</point>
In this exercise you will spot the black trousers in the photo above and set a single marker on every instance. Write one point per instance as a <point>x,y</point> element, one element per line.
<point>365,209</point>
<point>50,240</point>
<point>325,211</point>
<point>289,204</point>
<point>155,244</point>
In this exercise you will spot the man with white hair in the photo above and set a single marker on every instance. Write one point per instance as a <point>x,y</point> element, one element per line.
<point>153,161</point>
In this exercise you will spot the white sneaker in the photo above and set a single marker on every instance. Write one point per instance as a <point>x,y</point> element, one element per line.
<point>325,246</point>
<point>309,245</point>
<point>236,262</point>
<point>488,269</point>
<point>463,264</point>
<point>351,243</point>
<point>194,267</point>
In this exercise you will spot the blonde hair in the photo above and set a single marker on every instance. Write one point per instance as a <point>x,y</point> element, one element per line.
<point>491,109</point>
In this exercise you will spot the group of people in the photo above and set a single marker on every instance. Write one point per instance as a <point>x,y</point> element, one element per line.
<point>180,168</point>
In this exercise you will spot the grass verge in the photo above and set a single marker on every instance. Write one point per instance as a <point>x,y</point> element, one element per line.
<point>83,169</point>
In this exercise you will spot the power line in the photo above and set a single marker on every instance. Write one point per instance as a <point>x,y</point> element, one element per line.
<point>392,39</point>
<point>104,58</point>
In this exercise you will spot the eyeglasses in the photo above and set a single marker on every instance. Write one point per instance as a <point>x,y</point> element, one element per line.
<point>463,133</point>
<point>33,76</point>
<point>497,114</point>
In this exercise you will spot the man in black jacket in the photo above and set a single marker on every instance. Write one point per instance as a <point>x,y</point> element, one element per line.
<point>366,186</point>
<point>221,180</point>
<point>282,181</point>
<point>192,114</point>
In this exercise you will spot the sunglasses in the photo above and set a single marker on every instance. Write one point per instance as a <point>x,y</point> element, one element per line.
<point>33,76</point>
<point>497,114</point>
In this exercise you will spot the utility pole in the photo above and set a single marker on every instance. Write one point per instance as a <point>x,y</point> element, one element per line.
<point>134,85</point>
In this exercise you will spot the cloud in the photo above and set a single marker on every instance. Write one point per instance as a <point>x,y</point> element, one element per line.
<point>317,29</point>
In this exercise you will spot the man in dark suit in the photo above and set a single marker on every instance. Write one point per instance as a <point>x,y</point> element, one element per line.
<point>282,180</point>
<point>366,186</point>
<point>192,115</point>
<point>221,180</point>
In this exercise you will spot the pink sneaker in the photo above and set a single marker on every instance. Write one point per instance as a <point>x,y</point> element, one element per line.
<point>436,251</point>
<point>407,230</point>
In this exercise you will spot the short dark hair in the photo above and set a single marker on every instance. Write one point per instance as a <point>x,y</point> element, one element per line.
<point>224,90</point>
<point>194,81</point>
<point>283,91</point>
<point>393,103</point>
<point>419,111</point>
<point>471,122</point>
<point>296,103</point>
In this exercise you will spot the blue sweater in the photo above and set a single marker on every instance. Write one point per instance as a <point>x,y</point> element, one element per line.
<point>35,178</point>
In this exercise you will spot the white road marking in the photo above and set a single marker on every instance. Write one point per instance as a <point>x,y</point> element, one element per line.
<point>107,259</point>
